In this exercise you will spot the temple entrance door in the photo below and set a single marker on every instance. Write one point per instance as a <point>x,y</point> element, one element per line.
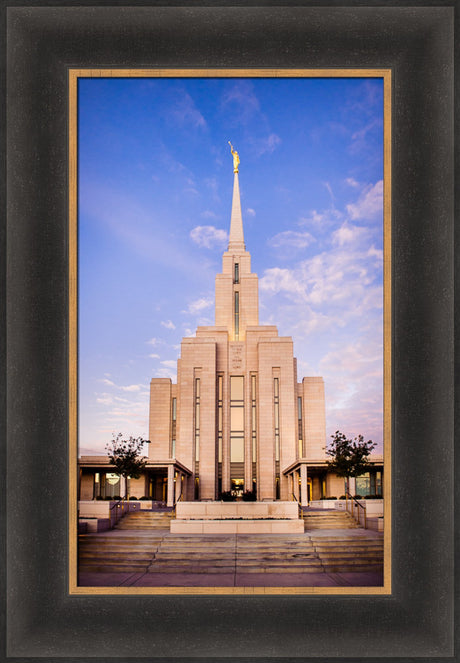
<point>238,488</point>
<point>158,485</point>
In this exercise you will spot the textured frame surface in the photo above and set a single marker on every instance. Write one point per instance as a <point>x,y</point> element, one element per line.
<point>417,620</point>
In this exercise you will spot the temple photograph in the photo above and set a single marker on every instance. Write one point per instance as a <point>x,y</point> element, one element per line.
<point>231,348</point>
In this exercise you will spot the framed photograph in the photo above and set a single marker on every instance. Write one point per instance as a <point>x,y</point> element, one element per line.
<point>156,191</point>
<point>132,58</point>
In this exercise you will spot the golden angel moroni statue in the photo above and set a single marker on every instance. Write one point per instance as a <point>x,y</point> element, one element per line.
<point>236,158</point>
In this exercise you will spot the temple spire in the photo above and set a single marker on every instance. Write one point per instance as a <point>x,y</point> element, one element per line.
<point>236,238</point>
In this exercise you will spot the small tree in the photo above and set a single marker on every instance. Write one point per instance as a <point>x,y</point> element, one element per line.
<point>350,457</point>
<point>126,456</point>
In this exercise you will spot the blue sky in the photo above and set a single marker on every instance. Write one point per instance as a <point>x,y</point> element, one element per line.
<point>155,187</point>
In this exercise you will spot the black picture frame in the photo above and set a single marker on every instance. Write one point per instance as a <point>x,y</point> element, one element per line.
<point>44,621</point>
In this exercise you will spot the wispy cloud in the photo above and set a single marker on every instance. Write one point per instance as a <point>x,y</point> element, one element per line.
<point>329,189</point>
<point>168,324</point>
<point>166,373</point>
<point>109,383</point>
<point>131,387</point>
<point>276,280</point>
<point>185,112</point>
<point>352,182</point>
<point>209,214</point>
<point>242,106</point>
<point>361,133</point>
<point>354,374</point>
<point>341,277</point>
<point>172,165</point>
<point>131,223</point>
<point>323,219</point>
<point>250,211</point>
<point>241,101</point>
<point>292,239</point>
<point>104,399</point>
<point>213,185</point>
<point>348,234</point>
<point>208,236</point>
<point>199,305</point>
<point>169,363</point>
<point>118,413</point>
<point>369,203</point>
<point>267,144</point>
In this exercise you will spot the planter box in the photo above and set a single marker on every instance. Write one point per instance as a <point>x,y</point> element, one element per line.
<point>234,526</point>
<point>237,510</point>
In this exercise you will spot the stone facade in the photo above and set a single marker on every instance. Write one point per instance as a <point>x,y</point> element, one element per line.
<point>238,417</point>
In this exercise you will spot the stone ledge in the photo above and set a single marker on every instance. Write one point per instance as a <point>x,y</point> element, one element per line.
<point>237,510</point>
<point>245,526</point>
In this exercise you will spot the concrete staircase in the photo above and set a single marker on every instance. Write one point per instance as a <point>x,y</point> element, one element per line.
<point>293,554</point>
<point>195,554</point>
<point>117,552</point>
<point>145,520</point>
<point>236,554</point>
<point>328,519</point>
<point>155,552</point>
<point>349,554</point>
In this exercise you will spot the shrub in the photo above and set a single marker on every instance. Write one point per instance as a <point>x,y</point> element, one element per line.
<point>227,496</point>
<point>145,497</point>
<point>342,497</point>
<point>133,498</point>
<point>99,497</point>
<point>330,498</point>
<point>249,496</point>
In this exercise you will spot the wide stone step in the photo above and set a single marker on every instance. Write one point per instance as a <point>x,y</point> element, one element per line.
<point>115,555</point>
<point>171,568</point>
<point>142,521</point>
<point>113,568</point>
<point>362,554</point>
<point>139,547</point>
<point>316,538</point>
<point>328,545</point>
<point>326,527</point>
<point>349,544</point>
<point>149,528</point>
<point>313,567</point>
<point>145,519</point>
<point>164,555</point>
<point>349,568</point>
<point>329,525</point>
<point>116,536</point>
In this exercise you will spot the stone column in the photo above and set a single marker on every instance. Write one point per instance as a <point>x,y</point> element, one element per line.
<point>170,498</point>
<point>291,487</point>
<point>178,484</point>
<point>295,478</point>
<point>303,478</point>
